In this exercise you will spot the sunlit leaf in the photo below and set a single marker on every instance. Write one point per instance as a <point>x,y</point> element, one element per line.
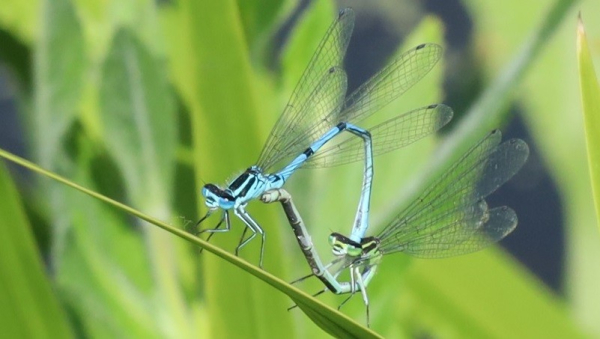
<point>590,97</point>
<point>30,307</point>
<point>330,320</point>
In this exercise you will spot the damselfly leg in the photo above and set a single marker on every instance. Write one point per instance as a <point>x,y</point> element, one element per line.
<point>224,220</point>
<point>319,110</point>
<point>449,217</point>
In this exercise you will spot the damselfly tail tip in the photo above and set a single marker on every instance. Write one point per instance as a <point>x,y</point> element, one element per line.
<point>344,11</point>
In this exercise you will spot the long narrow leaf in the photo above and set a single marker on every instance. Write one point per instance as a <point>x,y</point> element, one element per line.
<point>487,113</point>
<point>590,98</point>
<point>334,322</point>
<point>29,308</point>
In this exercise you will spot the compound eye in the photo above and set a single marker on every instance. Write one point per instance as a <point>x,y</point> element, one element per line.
<point>333,240</point>
<point>338,250</point>
<point>210,201</point>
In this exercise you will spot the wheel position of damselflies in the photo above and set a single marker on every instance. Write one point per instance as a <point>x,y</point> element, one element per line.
<point>450,217</point>
<point>319,111</point>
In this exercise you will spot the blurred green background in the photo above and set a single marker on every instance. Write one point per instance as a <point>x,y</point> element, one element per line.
<point>145,101</point>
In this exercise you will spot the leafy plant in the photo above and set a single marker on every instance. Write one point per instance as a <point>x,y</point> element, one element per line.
<point>143,101</point>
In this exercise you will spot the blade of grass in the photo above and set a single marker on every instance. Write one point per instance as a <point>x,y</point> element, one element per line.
<point>330,320</point>
<point>550,114</point>
<point>485,114</point>
<point>139,125</point>
<point>590,98</point>
<point>227,115</point>
<point>29,307</point>
<point>490,109</point>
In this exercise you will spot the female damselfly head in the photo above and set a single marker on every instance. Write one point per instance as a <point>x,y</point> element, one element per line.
<point>341,245</point>
<point>217,198</point>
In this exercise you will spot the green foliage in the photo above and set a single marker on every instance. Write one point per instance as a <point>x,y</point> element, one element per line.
<point>590,97</point>
<point>144,101</point>
<point>550,99</point>
<point>30,308</point>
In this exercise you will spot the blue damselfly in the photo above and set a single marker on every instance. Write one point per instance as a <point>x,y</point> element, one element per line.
<point>317,112</point>
<point>449,218</point>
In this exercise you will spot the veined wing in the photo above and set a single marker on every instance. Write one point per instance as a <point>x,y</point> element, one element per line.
<point>326,97</point>
<point>385,86</point>
<point>454,201</point>
<point>297,116</point>
<point>391,82</point>
<point>387,136</point>
<point>441,230</point>
<point>454,240</point>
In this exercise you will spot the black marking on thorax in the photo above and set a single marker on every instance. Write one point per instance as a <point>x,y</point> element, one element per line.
<point>344,239</point>
<point>219,192</point>
<point>244,182</point>
<point>239,181</point>
<point>368,244</point>
<point>247,187</point>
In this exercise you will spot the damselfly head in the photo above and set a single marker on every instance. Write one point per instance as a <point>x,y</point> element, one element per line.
<point>342,245</point>
<point>216,197</point>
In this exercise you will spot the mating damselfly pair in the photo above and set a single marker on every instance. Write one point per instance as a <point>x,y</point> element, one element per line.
<point>450,218</point>
<point>317,112</point>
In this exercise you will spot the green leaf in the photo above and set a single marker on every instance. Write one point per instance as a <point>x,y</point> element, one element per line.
<point>590,98</point>
<point>487,294</point>
<point>138,119</point>
<point>29,307</point>
<point>221,89</point>
<point>327,210</point>
<point>504,280</point>
<point>16,55</point>
<point>139,126</point>
<point>135,280</point>
<point>59,66</point>
<point>550,113</point>
<point>330,320</point>
<point>58,79</point>
<point>260,18</point>
<point>491,108</point>
<point>21,19</point>
<point>102,246</point>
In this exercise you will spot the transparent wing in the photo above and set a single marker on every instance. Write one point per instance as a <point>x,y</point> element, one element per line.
<point>297,116</point>
<point>391,82</point>
<point>327,95</point>
<point>300,125</point>
<point>388,136</point>
<point>385,86</point>
<point>457,184</point>
<point>453,207</point>
<point>452,241</point>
